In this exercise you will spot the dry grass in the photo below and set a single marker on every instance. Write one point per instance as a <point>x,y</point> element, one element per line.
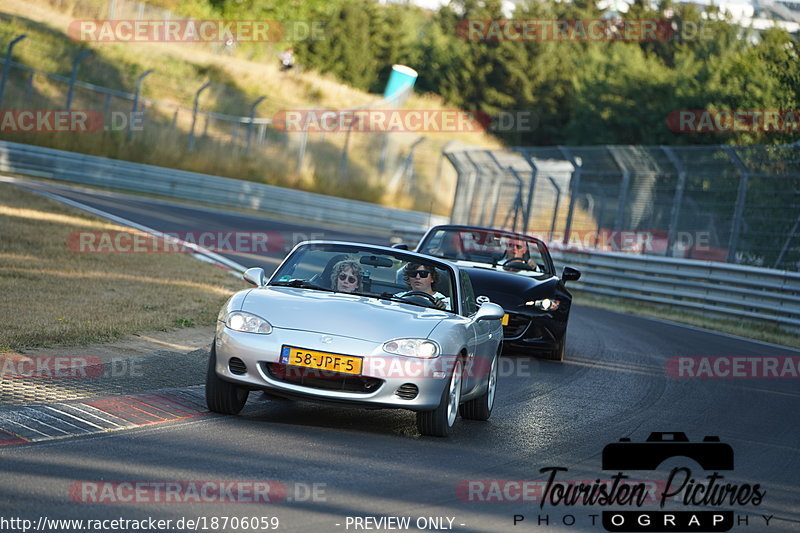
<point>52,295</point>
<point>180,69</point>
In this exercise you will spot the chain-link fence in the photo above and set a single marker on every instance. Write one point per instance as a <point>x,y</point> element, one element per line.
<point>736,204</point>
<point>214,123</point>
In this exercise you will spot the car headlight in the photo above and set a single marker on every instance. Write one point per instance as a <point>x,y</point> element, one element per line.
<point>544,305</point>
<point>248,323</point>
<point>422,348</point>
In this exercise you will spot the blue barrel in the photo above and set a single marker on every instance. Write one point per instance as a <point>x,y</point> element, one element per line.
<point>401,78</point>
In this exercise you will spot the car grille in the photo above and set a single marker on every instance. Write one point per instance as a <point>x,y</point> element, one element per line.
<point>407,391</point>
<point>517,324</point>
<point>237,366</point>
<point>322,379</point>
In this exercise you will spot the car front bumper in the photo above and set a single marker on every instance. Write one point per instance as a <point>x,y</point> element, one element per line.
<point>533,331</point>
<point>386,380</point>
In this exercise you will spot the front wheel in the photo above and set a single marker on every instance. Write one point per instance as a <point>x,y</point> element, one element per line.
<point>560,351</point>
<point>437,423</point>
<point>222,396</point>
<point>480,408</point>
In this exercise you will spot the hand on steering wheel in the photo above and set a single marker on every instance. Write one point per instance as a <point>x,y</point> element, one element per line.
<point>432,299</point>
<point>516,263</point>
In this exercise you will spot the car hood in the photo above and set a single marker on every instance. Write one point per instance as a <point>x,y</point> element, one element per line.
<point>509,289</point>
<point>347,315</point>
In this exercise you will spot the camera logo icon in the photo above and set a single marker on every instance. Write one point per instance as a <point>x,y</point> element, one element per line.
<point>710,454</point>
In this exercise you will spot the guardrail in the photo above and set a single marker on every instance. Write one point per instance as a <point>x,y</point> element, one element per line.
<point>36,161</point>
<point>706,287</point>
<point>710,288</point>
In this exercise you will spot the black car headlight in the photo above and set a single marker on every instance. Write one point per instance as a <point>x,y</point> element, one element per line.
<point>545,304</point>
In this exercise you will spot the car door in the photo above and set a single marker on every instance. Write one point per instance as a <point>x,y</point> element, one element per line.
<point>479,360</point>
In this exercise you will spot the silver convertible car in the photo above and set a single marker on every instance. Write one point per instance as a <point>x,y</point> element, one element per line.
<point>362,325</point>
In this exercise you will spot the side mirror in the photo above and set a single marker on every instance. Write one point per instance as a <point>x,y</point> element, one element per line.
<point>570,274</point>
<point>255,276</point>
<point>490,311</point>
<point>400,246</point>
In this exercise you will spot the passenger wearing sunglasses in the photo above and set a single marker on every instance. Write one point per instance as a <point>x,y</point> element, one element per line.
<point>422,278</point>
<point>347,276</point>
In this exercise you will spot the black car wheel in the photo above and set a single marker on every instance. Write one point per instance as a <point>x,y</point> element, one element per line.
<point>222,396</point>
<point>437,423</point>
<point>560,351</point>
<point>480,408</point>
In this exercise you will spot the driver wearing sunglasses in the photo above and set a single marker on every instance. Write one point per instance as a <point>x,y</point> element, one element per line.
<point>347,276</point>
<point>517,250</point>
<point>422,278</point>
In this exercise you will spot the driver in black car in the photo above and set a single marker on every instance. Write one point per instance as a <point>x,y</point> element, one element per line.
<point>517,252</point>
<point>421,278</point>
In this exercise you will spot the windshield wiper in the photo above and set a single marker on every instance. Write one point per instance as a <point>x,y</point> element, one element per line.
<point>301,283</point>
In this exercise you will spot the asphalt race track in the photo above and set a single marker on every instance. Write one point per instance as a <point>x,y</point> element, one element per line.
<point>318,468</point>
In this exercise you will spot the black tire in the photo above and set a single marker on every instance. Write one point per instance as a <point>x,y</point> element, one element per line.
<point>437,423</point>
<point>222,396</point>
<point>480,408</point>
<point>560,352</point>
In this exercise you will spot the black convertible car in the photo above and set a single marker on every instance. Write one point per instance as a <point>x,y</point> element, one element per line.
<point>517,272</point>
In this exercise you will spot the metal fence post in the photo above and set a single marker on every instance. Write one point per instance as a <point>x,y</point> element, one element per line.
<point>461,176</point>
<point>741,195</point>
<point>74,75</point>
<point>677,200</point>
<point>301,151</point>
<point>252,119</point>
<point>575,186</point>
<point>555,208</point>
<point>479,179</point>
<point>137,90</point>
<point>383,153</point>
<point>517,201</point>
<point>344,158</point>
<point>787,242</point>
<point>202,88</point>
<point>7,64</point>
<point>622,201</point>
<point>531,188</point>
<point>472,186</point>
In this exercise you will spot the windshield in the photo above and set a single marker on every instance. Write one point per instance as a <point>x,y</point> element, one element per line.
<point>496,249</point>
<point>368,272</point>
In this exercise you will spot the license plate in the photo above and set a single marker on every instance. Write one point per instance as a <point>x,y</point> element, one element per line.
<point>347,364</point>
<point>505,319</point>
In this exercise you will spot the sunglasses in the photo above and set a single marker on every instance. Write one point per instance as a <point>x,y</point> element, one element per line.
<point>421,273</point>
<point>349,279</point>
<point>518,246</point>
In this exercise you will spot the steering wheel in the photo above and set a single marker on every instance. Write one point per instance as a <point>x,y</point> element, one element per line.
<point>516,263</point>
<point>433,301</point>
